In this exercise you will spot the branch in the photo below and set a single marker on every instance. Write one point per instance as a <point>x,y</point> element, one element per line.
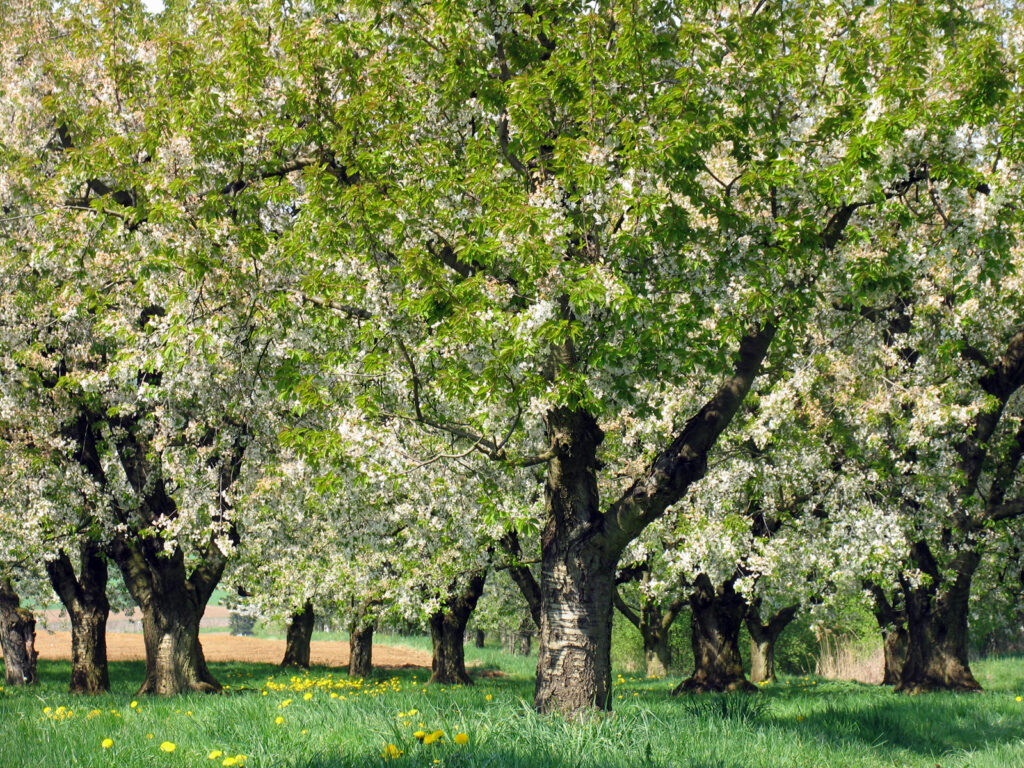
<point>684,461</point>
<point>521,575</point>
<point>346,309</point>
<point>625,610</point>
<point>1008,510</point>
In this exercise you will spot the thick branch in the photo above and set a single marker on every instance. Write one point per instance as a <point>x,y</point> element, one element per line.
<point>1006,511</point>
<point>522,575</point>
<point>685,460</point>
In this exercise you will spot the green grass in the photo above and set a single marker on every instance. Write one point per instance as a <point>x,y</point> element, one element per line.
<point>799,722</point>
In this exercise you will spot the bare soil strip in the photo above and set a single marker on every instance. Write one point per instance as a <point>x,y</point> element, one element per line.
<point>224,647</point>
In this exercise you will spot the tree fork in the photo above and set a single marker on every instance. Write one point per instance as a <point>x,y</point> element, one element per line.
<point>85,599</point>
<point>763,637</point>
<point>448,633</point>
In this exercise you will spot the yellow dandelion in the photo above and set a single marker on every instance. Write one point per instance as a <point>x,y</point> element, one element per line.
<point>413,712</point>
<point>430,738</point>
<point>278,720</point>
<point>107,743</point>
<point>420,735</point>
<point>149,735</point>
<point>461,738</point>
<point>168,746</point>
<point>307,696</point>
<point>214,754</point>
<point>489,697</point>
<point>391,752</point>
<point>134,704</point>
<point>1020,699</point>
<point>229,761</point>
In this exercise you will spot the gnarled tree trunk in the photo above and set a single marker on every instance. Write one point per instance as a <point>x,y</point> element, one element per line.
<point>717,617</point>
<point>763,636</point>
<point>17,637</point>
<point>360,644</point>
<point>172,604</point>
<point>300,631</point>
<point>448,633</point>
<point>85,599</point>
<point>937,627</point>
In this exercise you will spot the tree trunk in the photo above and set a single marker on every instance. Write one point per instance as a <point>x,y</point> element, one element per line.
<point>892,621</point>
<point>577,574</point>
<point>360,643</point>
<point>937,627</point>
<point>522,638</point>
<point>478,640</point>
<point>300,631</point>
<point>895,644</point>
<point>85,599</point>
<point>717,616</point>
<point>657,655</point>
<point>763,637</point>
<point>17,637</point>
<point>654,621</point>
<point>448,633</point>
<point>172,605</point>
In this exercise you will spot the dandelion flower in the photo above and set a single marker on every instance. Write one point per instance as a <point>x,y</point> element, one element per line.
<point>1020,698</point>
<point>168,746</point>
<point>461,738</point>
<point>107,743</point>
<point>420,735</point>
<point>488,697</point>
<point>391,752</point>
<point>229,761</point>
<point>278,720</point>
<point>134,704</point>
<point>307,696</point>
<point>430,738</point>
<point>214,754</point>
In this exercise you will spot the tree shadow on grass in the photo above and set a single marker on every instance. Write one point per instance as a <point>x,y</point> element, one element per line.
<point>874,717</point>
<point>507,758</point>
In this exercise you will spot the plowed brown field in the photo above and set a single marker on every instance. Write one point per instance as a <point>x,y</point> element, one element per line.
<point>224,647</point>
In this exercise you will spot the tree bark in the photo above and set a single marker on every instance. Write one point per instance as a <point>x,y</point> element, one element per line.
<point>172,604</point>
<point>360,642</point>
<point>937,653</point>
<point>763,637</point>
<point>478,639</point>
<point>85,599</point>
<point>17,637</point>
<point>892,621</point>
<point>895,646</point>
<point>578,574</point>
<point>448,633</point>
<point>300,631</point>
<point>717,617</point>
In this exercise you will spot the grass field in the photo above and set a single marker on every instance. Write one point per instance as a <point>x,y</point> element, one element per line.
<point>328,720</point>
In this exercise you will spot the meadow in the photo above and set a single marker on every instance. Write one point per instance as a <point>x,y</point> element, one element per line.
<point>322,719</point>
